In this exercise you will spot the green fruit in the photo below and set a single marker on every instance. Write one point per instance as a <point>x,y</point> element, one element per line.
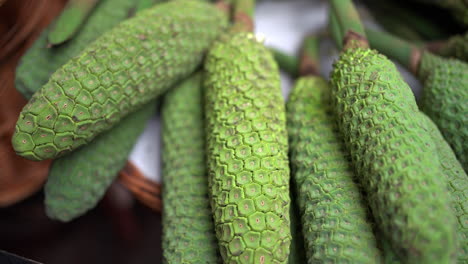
<point>40,62</point>
<point>188,230</point>
<point>334,213</point>
<point>457,185</point>
<point>118,73</point>
<point>92,167</point>
<point>78,181</point>
<point>376,113</point>
<point>247,149</point>
<point>445,100</point>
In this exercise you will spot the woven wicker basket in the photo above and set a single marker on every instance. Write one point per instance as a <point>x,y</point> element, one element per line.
<point>146,191</point>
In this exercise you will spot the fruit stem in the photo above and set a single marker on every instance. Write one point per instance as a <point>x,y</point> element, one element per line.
<point>334,30</point>
<point>310,57</point>
<point>287,63</point>
<point>243,15</point>
<point>351,28</point>
<point>402,51</point>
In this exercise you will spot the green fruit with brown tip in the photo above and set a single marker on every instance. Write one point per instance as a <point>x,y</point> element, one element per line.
<point>247,149</point>
<point>125,68</point>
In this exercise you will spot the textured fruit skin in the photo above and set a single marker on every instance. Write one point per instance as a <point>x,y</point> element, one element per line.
<point>247,148</point>
<point>457,185</point>
<point>406,189</point>
<point>188,229</point>
<point>78,181</point>
<point>122,70</point>
<point>334,213</point>
<point>445,100</point>
<point>40,62</point>
<point>94,166</point>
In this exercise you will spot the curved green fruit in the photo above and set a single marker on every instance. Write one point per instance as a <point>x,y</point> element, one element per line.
<point>457,185</point>
<point>78,181</point>
<point>406,190</point>
<point>102,170</point>
<point>247,151</point>
<point>188,229</point>
<point>445,100</point>
<point>334,213</point>
<point>40,62</point>
<point>125,68</point>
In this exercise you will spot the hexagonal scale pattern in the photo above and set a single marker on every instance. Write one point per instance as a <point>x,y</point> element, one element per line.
<point>40,62</point>
<point>444,100</point>
<point>457,185</point>
<point>188,229</point>
<point>247,151</point>
<point>77,181</point>
<point>327,195</point>
<point>143,56</point>
<point>377,116</point>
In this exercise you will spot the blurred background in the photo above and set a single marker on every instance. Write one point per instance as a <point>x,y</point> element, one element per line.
<point>121,229</point>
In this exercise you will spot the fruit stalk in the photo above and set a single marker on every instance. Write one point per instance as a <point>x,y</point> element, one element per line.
<point>286,62</point>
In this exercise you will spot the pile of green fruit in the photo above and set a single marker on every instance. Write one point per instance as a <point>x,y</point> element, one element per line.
<point>347,171</point>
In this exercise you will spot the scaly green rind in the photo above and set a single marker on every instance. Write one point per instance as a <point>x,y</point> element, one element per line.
<point>247,151</point>
<point>188,229</point>
<point>70,20</point>
<point>406,189</point>
<point>40,62</point>
<point>334,213</point>
<point>457,185</point>
<point>102,170</point>
<point>445,100</point>
<point>125,68</point>
<point>78,181</point>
